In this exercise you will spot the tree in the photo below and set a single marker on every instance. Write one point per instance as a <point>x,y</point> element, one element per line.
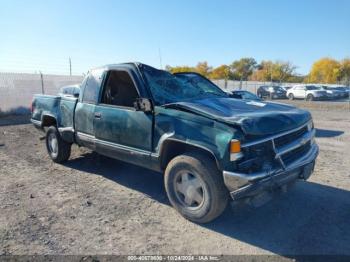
<point>243,68</point>
<point>325,70</point>
<point>274,71</point>
<point>263,72</point>
<point>220,72</point>
<point>282,71</point>
<point>203,68</point>
<point>296,79</point>
<point>179,69</point>
<point>345,71</point>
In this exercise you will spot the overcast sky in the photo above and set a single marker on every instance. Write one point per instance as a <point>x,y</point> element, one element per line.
<point>42,35</point>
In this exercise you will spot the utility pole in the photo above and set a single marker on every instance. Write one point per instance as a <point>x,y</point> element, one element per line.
<point>42,83</point>
<point>70,67</point>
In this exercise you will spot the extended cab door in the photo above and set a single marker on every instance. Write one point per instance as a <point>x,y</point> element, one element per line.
<point>85,110</point>
<point>121,131</point>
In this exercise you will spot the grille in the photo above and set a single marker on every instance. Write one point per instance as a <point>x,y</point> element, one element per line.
<point>286,139</point>
<point>295,154</point>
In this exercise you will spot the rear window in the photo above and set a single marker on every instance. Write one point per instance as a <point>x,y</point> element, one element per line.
<point>92,87</point>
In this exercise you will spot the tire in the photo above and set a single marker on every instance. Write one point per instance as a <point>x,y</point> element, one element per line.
<point>58,149</point>
<point>291,96</point>
<point>186,173</point>
<point>310,97</point>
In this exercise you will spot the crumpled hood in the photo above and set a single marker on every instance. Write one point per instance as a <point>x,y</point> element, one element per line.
<point>254,118</point>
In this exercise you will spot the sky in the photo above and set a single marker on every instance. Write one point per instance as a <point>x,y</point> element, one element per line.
<point>41,35</point>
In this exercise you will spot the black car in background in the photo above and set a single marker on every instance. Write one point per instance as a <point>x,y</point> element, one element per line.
<point>271,92</point>
<point>242,94</point>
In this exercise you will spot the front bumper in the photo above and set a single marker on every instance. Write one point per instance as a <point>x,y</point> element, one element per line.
<point>243,185</point>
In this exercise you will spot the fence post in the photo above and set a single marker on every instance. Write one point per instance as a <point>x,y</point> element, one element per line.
<point>42,83</point>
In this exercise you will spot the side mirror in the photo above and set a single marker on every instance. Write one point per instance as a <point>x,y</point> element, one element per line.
<point>76,95</point>
<point>143,104</point>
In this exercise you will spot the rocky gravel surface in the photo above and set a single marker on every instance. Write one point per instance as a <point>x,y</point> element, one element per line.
<point>96,205</point>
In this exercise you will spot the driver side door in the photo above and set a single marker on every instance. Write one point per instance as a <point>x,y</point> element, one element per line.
<point>121,131</point>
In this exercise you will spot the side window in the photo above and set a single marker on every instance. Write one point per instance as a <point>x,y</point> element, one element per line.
<point>119,90</point>
<point>92,86</point>
<point>237,95</point>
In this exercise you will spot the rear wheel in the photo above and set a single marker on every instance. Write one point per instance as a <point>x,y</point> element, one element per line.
<point>291,96</point>
<point>195,187</point>
<point>310,97</point>
<point>58,149</point>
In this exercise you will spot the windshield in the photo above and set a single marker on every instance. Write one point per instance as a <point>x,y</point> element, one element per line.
<point>312,88</point>
<point>167,88</point>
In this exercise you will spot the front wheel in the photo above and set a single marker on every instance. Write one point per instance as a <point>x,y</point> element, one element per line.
<point>195,187</point>
<point>291,96</point>
<point>58,149</point>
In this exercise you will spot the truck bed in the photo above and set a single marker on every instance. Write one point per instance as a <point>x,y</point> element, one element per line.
<point>54,107</point>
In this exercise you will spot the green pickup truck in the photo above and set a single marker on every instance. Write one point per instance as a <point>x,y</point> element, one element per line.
<point>209,146</point>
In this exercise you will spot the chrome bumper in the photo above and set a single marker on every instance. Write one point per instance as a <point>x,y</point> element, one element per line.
<point>241,184</point>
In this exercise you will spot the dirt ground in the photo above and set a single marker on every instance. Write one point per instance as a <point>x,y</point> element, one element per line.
<point>96,205</point>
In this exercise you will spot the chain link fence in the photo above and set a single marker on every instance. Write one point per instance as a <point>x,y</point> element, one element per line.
<point>251,86</point>
<point>17,89</point>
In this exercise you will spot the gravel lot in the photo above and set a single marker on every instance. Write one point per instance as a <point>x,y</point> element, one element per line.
<point>96,205</point>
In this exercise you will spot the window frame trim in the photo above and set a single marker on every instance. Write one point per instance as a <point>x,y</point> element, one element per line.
<point>103,86</point>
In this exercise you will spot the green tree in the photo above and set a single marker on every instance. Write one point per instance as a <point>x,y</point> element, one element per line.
<point>282,71</point>
<point>278,71</point>
<point>243,68</point>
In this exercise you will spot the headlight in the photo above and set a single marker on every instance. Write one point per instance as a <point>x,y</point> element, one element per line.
<point>235,150</point>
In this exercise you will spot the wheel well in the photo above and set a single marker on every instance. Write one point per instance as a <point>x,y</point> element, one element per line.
<point>49,121</point>
<point>171,149</point>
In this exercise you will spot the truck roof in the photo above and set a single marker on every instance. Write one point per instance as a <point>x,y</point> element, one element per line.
<point>116,66</point>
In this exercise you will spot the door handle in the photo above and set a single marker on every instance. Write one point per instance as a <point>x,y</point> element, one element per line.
<point>98,115</point>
